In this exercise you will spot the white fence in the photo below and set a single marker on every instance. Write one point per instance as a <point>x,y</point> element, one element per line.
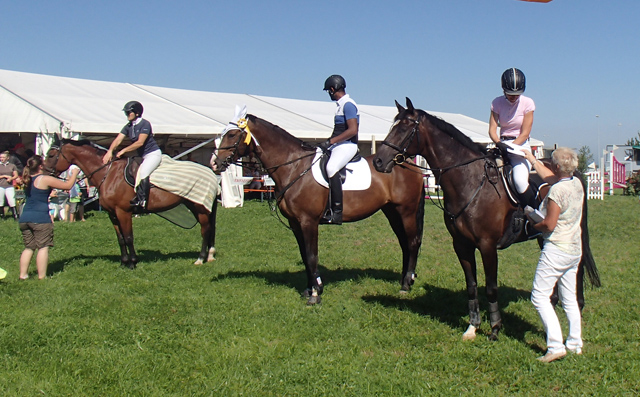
<point>595,185</point>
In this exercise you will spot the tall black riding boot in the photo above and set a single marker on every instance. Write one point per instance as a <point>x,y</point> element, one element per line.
<point>2,211</point>
<point>528,198</point>
<point>336,200</point>
<point>139,203</point>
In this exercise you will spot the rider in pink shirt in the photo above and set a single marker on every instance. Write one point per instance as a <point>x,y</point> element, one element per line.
<point>513,113</point>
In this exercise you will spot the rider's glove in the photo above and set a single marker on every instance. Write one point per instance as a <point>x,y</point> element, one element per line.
<point>325,145</point>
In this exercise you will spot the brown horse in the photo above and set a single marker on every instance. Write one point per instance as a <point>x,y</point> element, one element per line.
<point>302,200</point>
<point>477,208</point>
<point>115,195</point>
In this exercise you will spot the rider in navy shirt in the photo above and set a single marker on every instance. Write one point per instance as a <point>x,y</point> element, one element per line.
<point>343,143</point>
<point>139,131</point>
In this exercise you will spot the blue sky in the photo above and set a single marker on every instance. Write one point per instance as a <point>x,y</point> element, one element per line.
<point>580,56</point>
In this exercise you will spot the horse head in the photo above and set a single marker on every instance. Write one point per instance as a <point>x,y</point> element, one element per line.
<point>236,141</point>
<point>402,140</point>
<point>54,161</point>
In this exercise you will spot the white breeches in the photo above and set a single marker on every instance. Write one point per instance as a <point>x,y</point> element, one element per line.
<point>150,162</point>
<point>521,169</point>
<point>341,154</point>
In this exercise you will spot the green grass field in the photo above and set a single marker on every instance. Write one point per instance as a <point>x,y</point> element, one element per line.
<point>238,326</point>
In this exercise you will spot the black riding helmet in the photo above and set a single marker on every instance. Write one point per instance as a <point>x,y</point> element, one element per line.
<point>513,82</point>
<point>336,82</point>
<point>133,106</point>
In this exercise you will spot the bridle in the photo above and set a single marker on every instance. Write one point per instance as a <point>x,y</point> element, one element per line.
<point>52,171</point>
<point>401,157</point>
<point>246,139</point>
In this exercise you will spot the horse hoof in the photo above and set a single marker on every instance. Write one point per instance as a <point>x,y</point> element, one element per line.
<point>212,254</point>
<point>404,292</point>
<point>306,293</point>
<point>470,333</point>
<point>493,337</point>
<point>198,262</point>
<point>314,300</point>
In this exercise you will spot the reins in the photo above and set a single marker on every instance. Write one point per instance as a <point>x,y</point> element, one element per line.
<point>109,164</point>
<point>242,125</point>
<point>401,157</point>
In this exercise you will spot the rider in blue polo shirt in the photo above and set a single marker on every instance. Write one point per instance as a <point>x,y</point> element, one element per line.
<point>141,135</point>
<point>343,143</point>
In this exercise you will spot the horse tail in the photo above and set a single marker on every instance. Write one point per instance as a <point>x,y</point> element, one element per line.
<point>587,262</point>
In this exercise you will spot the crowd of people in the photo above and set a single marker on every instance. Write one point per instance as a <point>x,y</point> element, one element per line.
<point>512,113</point>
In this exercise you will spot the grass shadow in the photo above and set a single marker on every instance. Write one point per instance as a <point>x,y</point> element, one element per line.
<point>298,280</point>
<point>143,256</point>
<point>450,307</point>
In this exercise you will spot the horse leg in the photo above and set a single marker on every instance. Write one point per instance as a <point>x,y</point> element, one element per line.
<point>405,228</point>
<point>205,232</point>
<point>126,228</point>
<point>490,263</point>
<point>307,237</point>
<point>212,232</point>
<point>124,255</point>
<point>465,251</point>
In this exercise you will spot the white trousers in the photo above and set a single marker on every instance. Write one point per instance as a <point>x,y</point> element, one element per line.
<point>557,266</point>
<point>341,154</point>
<point>150,162</point>
<point>10,194</point>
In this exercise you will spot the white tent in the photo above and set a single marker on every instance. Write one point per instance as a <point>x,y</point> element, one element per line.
<point>42,105</point>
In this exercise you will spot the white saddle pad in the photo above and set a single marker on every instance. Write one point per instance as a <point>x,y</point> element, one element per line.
<point>358,174</point>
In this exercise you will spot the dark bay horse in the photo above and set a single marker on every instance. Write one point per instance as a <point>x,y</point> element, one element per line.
<point>302,200</point>
<point>115,194</point>
<point>477,209</point>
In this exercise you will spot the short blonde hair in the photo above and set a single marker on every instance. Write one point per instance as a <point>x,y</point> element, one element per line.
<point>566,160</point>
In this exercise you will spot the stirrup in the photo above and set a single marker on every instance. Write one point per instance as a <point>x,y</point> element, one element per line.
<point>530,231</point>
<point>329,218</point>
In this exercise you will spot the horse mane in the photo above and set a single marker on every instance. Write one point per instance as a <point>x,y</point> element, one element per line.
<point>280,131</point>
<point>453,132</point>
<point>84,142</point>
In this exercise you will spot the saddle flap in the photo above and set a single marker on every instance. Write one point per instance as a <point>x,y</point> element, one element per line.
<point>355,175</point>
<point>131,170</point>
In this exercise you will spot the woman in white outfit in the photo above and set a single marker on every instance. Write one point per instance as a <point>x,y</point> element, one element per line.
<point>561,252</point>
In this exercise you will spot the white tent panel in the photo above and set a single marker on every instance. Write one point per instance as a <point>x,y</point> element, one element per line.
<point>40,103</point>
<point>20,116</point>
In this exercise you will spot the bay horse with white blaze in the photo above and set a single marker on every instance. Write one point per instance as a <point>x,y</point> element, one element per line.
<point>115,194</point>
<point>302,200</point>
<point>477,208</point>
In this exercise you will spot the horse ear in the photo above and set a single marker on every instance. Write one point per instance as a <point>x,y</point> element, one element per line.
<point>410,105</point>
<point>56,140</point>
<point>400,108</point>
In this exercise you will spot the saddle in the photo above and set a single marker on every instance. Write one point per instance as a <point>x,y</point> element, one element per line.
<point>356,175</point>
<point>520,229</point>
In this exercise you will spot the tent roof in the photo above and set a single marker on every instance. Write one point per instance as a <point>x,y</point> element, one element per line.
<point>41,103</point>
